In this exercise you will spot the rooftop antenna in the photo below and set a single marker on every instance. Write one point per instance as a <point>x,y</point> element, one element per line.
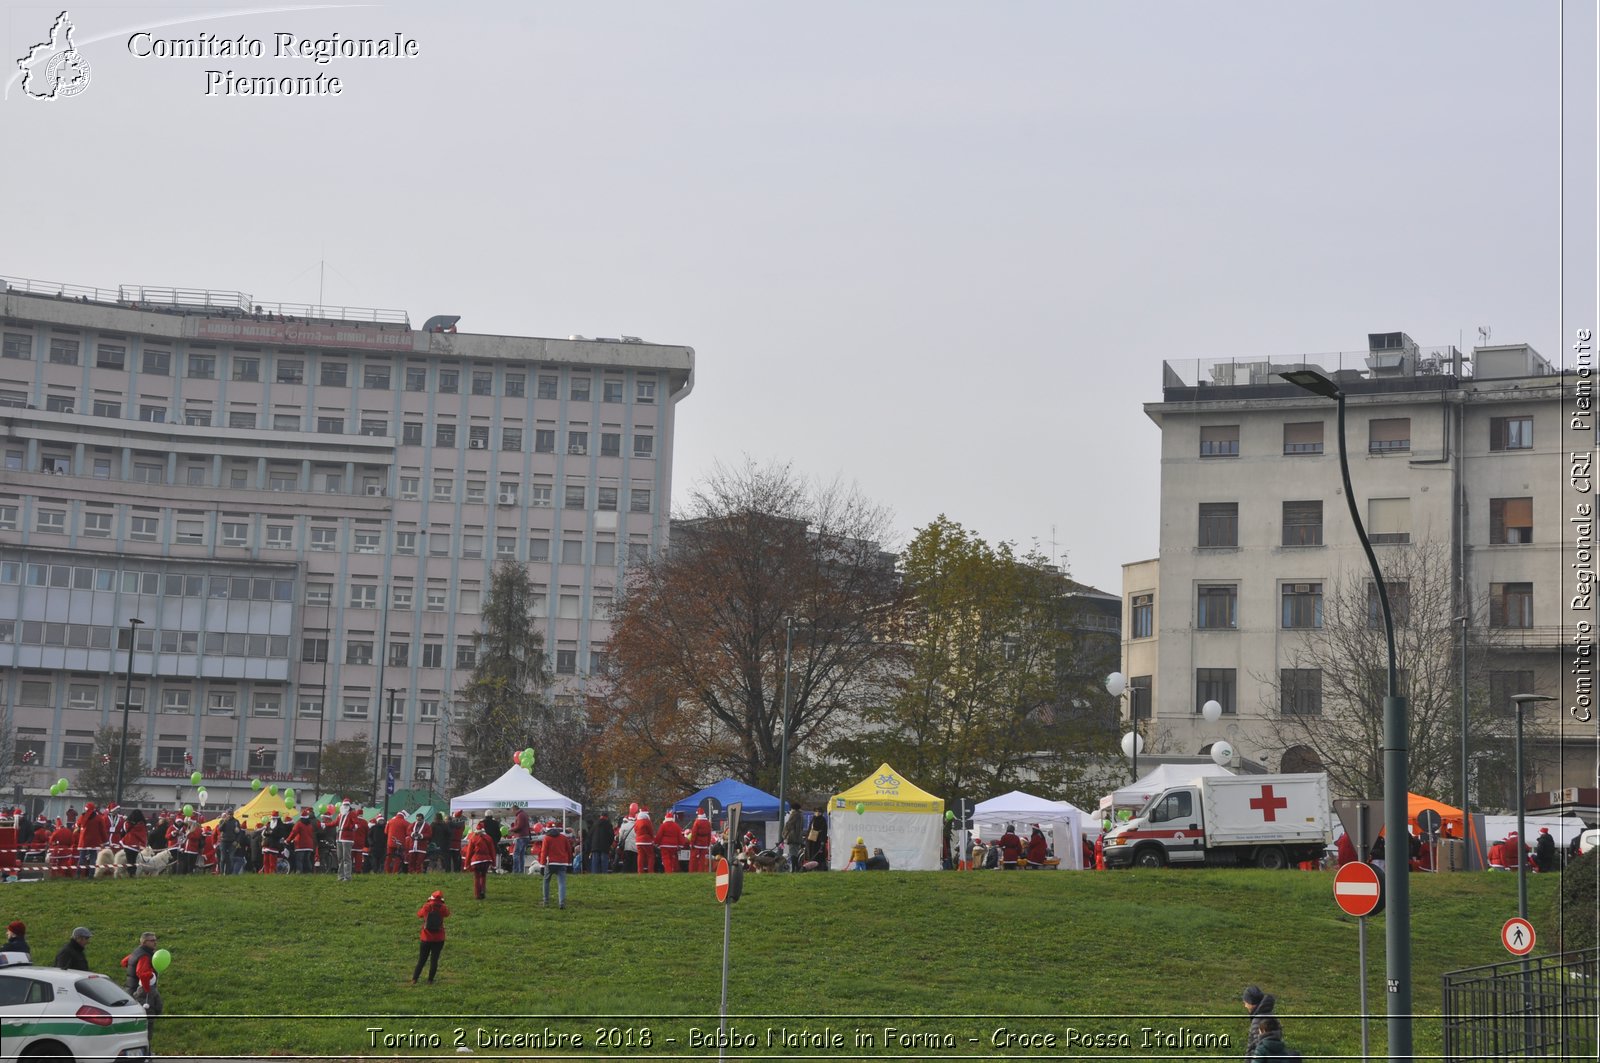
<point>1484,332</point>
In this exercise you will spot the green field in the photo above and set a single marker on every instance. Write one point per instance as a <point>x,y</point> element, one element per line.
<point>308,965</point>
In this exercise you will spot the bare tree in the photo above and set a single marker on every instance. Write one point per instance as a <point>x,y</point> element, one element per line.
<point>697,651</point>
<point>1326,709</point>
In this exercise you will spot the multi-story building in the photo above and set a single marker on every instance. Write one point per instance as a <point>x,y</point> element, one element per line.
<point>1464,455</point>
<point>303,509</point>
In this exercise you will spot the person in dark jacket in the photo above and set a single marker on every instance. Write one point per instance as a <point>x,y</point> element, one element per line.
<point>817,839</point>
<point>17,938</point>
<point>72,956</point>
<point>1271,1045</point>
<point>1260,1006</point>
<point>605,836</point>
<point>1544,850</point>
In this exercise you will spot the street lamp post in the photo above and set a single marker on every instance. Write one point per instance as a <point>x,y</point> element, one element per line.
<point>783,745</point>
<point>127,696</point>
<point>1397,885</point>
<point>1521,701</point>
<point>1466,807</point>
<point>389,742</point>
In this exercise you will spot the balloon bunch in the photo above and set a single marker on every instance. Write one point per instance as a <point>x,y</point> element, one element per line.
<point>58,788</point>
<point>523,758</point>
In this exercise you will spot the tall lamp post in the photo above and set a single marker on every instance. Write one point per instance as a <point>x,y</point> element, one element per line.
<point>127,696</point>
<point>1522,701</point>
<point>783,745</point>
<point>1133,741</point>
<point>1397,885</point>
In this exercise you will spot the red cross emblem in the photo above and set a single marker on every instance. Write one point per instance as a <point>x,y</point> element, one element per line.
<point>1268,804</point>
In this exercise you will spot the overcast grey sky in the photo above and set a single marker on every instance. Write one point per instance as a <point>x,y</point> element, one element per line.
<point>936,249</point>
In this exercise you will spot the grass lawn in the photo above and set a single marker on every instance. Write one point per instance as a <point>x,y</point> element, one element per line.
<point>307,965</point>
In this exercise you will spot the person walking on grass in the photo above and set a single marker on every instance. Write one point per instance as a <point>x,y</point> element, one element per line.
<point>433,913</point>
<point>1260,1005</point>
<point>142,977</point>
<point>555,854</point>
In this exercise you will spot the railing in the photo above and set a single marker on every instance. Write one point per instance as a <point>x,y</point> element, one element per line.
<point>307,311</point>
<point>183,299</point>
<point>1543,1007</point>
<point>201,301</point>
<point>1338,365</point>
<point>57,290</point>
<point>212,774</point>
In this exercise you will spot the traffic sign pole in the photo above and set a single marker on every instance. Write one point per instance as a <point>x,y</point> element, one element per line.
<point>1361,938</point>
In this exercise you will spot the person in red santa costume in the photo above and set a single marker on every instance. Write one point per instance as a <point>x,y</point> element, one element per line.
<point>669,839</point>
<point>479,857</point>
<point>93,830</point>
<point>136,836</point>
<point>303,840</point>
<point>700,842</point>
<point>349,825</point>
<point>63,850</point>
<point>397,835</point>
<point>644,840</point>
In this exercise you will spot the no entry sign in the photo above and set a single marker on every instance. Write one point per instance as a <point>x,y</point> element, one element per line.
<point>1358,889</point>
<point>1518,936</point>
<point>729,881</point>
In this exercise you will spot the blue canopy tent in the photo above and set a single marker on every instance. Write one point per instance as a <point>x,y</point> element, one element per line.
<point>757,804</point>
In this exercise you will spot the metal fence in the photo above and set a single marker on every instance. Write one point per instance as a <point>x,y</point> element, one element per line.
<point>1539,1008</point>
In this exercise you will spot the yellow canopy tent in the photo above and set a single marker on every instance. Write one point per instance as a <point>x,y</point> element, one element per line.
<point>894,815</point>
<point>260,808</point>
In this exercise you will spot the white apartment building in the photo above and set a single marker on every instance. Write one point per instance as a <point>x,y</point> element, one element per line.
<point>303,506</point>
<point>1465,453</point>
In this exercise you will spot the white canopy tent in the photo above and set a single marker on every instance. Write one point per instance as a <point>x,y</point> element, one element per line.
<point>515,789</point>
<point>1135,794</point>
<point>1061,821</point>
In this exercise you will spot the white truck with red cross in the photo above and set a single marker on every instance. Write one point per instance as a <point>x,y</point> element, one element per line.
<point>1266,821</point>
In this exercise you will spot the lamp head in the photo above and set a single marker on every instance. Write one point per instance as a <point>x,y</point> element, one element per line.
<point>134,621</point>
<point>1314,382</point>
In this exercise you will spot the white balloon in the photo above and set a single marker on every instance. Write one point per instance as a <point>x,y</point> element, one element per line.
<point>1129,741</point>
<point>202,795</point>
<point>1116,683</point>
<point>1212,711</point>
<point>1222,753</point>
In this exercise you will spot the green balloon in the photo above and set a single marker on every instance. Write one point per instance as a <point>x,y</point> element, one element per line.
<point>188,810</point>
<point>528,753</point>
<point>161,959</point>
<point>194,780</point>
<point>288,796</point>
<point>63,784</point>
<point>255,784</point>
<point>861,808</point>
<point>273,789</point>
<point>949,815</point>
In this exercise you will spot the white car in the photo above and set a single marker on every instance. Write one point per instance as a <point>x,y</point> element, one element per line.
<point>49,1012</point>
<point>1588,840</point>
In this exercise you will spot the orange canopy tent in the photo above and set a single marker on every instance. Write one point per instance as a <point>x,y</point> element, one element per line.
<point>1451,817</point>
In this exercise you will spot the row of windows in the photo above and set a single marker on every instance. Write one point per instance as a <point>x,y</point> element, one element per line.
<point>201,365</point>
<point>145,525</point>
<point>1388,521</point>
<point>359,650</point>
<point>100,637</point>
<point>40,692</point>
<point>445,435</point>
<point>1385,435</point>
<point>152,469</point>
<point>1300,690</point>
<point>1217,607</point>
<point>140,581</point>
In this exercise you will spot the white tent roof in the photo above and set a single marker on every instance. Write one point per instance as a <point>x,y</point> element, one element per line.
<point>1134,795</point>
<point>515,789</point>
<point>1018,807</point>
